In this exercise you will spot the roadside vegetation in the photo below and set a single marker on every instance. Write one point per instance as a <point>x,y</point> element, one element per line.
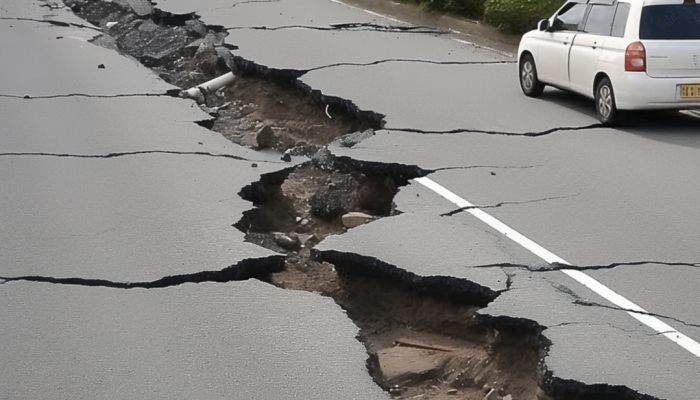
<point>509,16</point>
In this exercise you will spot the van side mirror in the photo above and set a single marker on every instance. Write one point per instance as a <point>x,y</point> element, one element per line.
<point>543,25</point>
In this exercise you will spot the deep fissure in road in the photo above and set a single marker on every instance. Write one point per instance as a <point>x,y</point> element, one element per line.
<point>422,334</point>
<point>260,109</point>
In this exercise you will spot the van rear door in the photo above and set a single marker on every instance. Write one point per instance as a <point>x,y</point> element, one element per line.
<point>671,36</point>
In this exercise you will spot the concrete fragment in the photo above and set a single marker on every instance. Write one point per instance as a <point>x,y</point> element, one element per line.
<point>142,8</point>
<point>353,219</point>
<point>334,199</point>
<point>352,139</point>
<point>266,137</point>
<point>323,159</point>
<point>508,397</point>
<point>286,241</point>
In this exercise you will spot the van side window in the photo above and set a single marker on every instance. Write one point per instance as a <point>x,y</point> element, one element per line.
<point>620,23</point>
<point>600,20</point>
<point>570,18</point>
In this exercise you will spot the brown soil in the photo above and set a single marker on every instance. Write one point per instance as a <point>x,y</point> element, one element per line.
<point>420,346</point>
<point>402,330</point>
<point>251,103</point>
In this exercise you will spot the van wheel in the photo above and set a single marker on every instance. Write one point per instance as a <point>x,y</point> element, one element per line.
<point>529,82</point>
<point>605,102</point>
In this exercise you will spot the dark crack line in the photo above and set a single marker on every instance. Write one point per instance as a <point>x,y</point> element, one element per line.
<point>559,267</point>
<point>563,324</point>
<point>504,203</point>
<point>389,60</point>
<point>485,167</point>
<point>125,154</point>
<point>352,27</point>
<point>169,93</point>
<point>52,22</point>
<point>498,265</point>
<point>593,304</point>
<point>526,134</point>
<point>136,153</point>
<point>246,269</point>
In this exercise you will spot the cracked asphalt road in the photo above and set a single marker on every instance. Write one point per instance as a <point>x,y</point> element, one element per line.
<point>158,195</point>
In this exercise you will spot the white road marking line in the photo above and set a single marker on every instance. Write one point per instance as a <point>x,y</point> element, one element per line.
<point>654,323</point>
<point>503,53</point>
<point>370,12</point>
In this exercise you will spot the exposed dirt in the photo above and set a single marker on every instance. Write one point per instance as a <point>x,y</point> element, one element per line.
<point>185,52</point>
<point>421,345</point>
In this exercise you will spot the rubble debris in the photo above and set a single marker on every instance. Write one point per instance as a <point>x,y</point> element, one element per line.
<point>352,139</point>
<point>285,241</point>
<point>266,138</point>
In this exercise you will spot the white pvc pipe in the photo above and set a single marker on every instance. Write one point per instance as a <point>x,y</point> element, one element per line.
<point>208,87</point>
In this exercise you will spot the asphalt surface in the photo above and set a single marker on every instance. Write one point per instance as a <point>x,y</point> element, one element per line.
<point>108,186</point>
<point>595,197</point>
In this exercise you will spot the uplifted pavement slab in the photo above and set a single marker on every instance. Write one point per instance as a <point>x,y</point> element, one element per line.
<point>194,341</point>
<point>581,194</point>
<point>428,98</point>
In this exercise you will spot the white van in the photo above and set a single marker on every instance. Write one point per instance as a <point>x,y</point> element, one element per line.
<point>627,54</point>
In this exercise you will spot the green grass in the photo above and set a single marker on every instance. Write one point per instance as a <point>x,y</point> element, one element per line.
<point>518,16</point>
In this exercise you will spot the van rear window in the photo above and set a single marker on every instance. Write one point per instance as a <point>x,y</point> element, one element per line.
<point>670,22</point>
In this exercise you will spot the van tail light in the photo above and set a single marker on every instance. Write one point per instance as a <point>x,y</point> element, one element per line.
<point>636,58</point>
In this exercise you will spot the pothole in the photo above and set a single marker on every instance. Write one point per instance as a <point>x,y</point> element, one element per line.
<point>254,111</point>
